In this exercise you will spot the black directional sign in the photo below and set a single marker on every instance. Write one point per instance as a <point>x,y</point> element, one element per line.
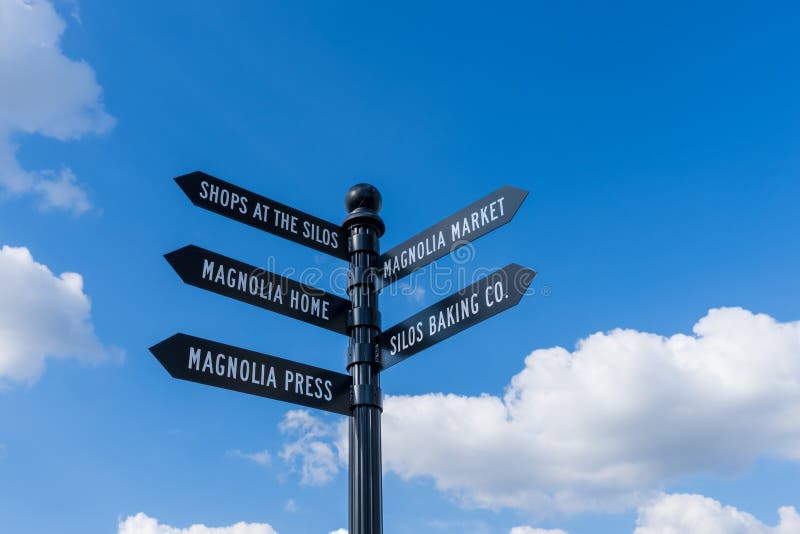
<point>485,298</point>
<point>465,226</point>
<point>217,273</point>
<point>224,366</point>
<point>260,212</point>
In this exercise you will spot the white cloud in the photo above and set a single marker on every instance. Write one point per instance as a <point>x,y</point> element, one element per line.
<point>665,514</point>
<point>142,524</point>
<point>462,526</point>
<point>696,514</point>
<point>61,191</point>
<point>672,514</point>
<point>41,316</point>
<point>312,452</point>
<point>262,458</point>
<point>605,426</point>
<point>46,93</point>
<point>531,530</point>
<point>291,506</point>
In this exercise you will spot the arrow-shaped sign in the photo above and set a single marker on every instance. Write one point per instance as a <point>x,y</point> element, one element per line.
<point>463,227</point>
<point>485,298</point>
<point>224,366</point>
<point>263,213</point>
<point>219,274</point>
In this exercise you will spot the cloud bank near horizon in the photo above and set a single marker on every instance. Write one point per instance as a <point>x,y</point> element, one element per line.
<point>606,426</point>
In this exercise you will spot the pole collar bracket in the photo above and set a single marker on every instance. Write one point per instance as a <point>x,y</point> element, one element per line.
<point>362,276</point>
<point>360,352</point>
<point>365,242</point>
<point>365,316</point>
<point>366,395</point>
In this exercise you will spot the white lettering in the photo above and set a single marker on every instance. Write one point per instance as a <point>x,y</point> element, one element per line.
<point>305,303</point>
<point>208,268</point>
<point>207,363</point>
<point>289,378</point>
<point>194,357</point>
<point>253,373</point>
<point>261,212</point>
<point>318,384</point>
<point>414,253</point>
<point>495,294</point>
<point>453,314</point>
<point>242,368</point>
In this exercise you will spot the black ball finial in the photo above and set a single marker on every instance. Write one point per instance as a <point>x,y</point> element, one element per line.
<point>363,196</point>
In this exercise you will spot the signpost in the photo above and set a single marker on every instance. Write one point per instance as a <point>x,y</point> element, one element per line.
<point>357,395</point>
<point>219,274</point>
<point>463,227</point>
<point>487,297</point>
<point>224,366</point>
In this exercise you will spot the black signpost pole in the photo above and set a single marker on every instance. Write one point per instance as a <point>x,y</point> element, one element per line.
<point>364,227</point>
<point>370,351</point>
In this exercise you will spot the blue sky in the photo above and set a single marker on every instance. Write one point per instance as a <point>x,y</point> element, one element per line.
<point>660,148</point>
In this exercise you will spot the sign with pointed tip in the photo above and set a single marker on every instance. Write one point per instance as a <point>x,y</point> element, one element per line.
<point>224,366</point>
<point>461,228</point>
<point>485,298</point>
<point>260,212</point>
<point>232,278</point>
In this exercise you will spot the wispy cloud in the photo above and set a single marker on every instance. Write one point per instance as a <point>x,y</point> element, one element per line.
<point>531,530</point>
<point>313,452</point>
<point>262,458</point>
<point>291,506</point>
<point>463,526</point>
<point>43,92</point>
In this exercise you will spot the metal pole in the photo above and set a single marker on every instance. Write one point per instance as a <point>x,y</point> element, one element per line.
<point>363,202</point>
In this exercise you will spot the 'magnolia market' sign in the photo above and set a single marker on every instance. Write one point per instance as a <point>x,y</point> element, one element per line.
<point>461,228</point>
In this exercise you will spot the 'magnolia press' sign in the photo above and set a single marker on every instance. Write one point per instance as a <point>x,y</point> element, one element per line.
<point>225,366</point>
